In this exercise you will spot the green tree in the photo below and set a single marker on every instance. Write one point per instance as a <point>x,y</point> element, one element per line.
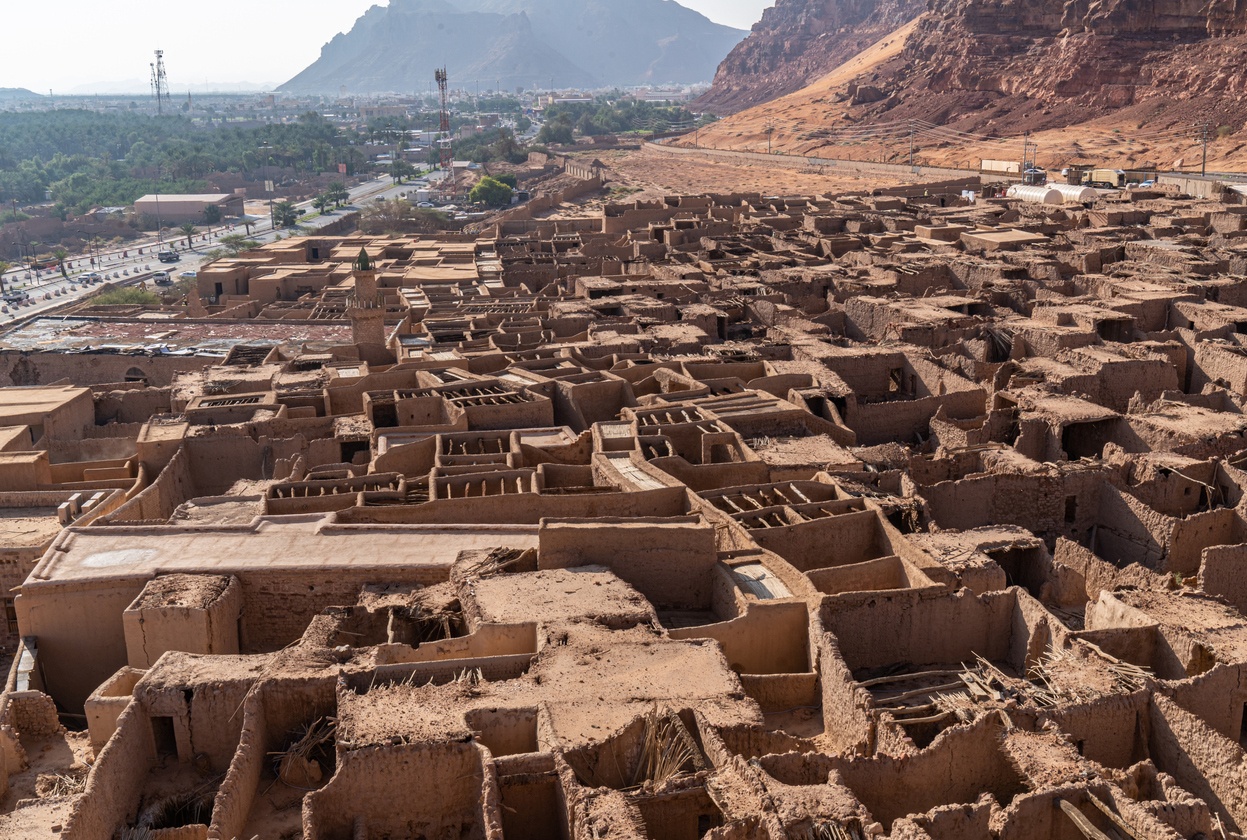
<point>212,215</point>
<point>285,214</point>
<point>236,243</point>
<point>557,131</point>
<point>338,192</point>
<point>322,202</point>
<point>188,230</point>
<point>507,178</point>
<point>4,266</point>
<point>60,254</point>
<point>490,192</point>
<point>401,169</point>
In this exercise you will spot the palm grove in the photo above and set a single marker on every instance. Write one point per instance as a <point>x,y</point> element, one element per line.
<point>82,159</point>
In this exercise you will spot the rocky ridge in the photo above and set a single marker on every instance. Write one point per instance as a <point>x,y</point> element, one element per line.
<point>796,42</point>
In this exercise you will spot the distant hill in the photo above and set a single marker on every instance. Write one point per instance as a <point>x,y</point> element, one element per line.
<point>519,43</point>
<point>15,94</point>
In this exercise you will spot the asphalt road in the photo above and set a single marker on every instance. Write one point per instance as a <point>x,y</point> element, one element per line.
<point>136,261</point>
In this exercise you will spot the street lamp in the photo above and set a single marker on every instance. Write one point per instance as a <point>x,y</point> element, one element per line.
<point>269,188</point>
<point>21,240</point>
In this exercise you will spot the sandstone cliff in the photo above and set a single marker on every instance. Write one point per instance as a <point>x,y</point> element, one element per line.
<point>796,42</point>
<point>1142,73</point>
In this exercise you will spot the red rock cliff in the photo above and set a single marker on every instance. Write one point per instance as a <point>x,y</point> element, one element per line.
<point>796,42</point>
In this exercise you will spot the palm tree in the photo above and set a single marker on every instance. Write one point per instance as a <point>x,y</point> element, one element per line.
<point>61,255</point>
<point>188,230</point>
<point>339,193</point>
<point>285,214</point>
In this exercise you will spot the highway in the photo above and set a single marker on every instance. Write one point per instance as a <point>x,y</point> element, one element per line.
<point>126,265</point>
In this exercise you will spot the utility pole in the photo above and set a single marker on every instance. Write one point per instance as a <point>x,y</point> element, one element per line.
<point>770,131</point>
<point>1203,167</point>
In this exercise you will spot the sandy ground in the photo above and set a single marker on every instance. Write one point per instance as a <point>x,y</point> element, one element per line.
<point>648,175</point>
<point>63,754</point>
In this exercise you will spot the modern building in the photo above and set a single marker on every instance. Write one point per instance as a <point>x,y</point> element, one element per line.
<point>178,209</point>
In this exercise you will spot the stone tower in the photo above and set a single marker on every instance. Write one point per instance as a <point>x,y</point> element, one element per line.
<point>365,306</point>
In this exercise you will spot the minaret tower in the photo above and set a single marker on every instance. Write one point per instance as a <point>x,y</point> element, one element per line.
<point>365,306</point>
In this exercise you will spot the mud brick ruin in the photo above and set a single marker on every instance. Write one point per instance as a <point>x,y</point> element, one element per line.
<point>719,517</point>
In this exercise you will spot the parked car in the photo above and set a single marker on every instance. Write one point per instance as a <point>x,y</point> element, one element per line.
<point>189,275</point>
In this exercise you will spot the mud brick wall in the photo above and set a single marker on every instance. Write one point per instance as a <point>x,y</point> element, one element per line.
<point>1112,730</point>
<point>845,721</point>
<point>158,500</point>
<point>1203,761</point>
<point>238,790</point>
<point>903,419</point>
<point>115,781</point>
<point>131,405</point>
<point>20,368</point>
<point>968,763</point>
<point>278,607</point>
<point>1216,697</point>
<point>893,629</point>
<point>1223,571</point>
<point>31,713</point>
<point>437,787</point>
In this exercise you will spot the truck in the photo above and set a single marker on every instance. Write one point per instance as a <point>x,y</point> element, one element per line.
<point>168,256</point>
<point>1107,179</point>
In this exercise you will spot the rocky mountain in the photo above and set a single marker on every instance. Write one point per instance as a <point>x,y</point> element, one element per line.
<point>998,67</point>
<point>513,43</point>
<point>796,42</point>
<point>1084,56</point>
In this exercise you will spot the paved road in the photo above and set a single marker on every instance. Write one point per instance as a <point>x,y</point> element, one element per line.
<point>136,261</point>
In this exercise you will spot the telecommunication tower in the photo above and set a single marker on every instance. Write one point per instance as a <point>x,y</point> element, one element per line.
<point>445,142</point>
<point>160,82</point>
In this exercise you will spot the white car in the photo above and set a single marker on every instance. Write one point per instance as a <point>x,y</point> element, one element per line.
<point>189,275</point>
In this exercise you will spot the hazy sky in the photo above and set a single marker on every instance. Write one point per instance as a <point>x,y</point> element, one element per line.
<point>66,44</point>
